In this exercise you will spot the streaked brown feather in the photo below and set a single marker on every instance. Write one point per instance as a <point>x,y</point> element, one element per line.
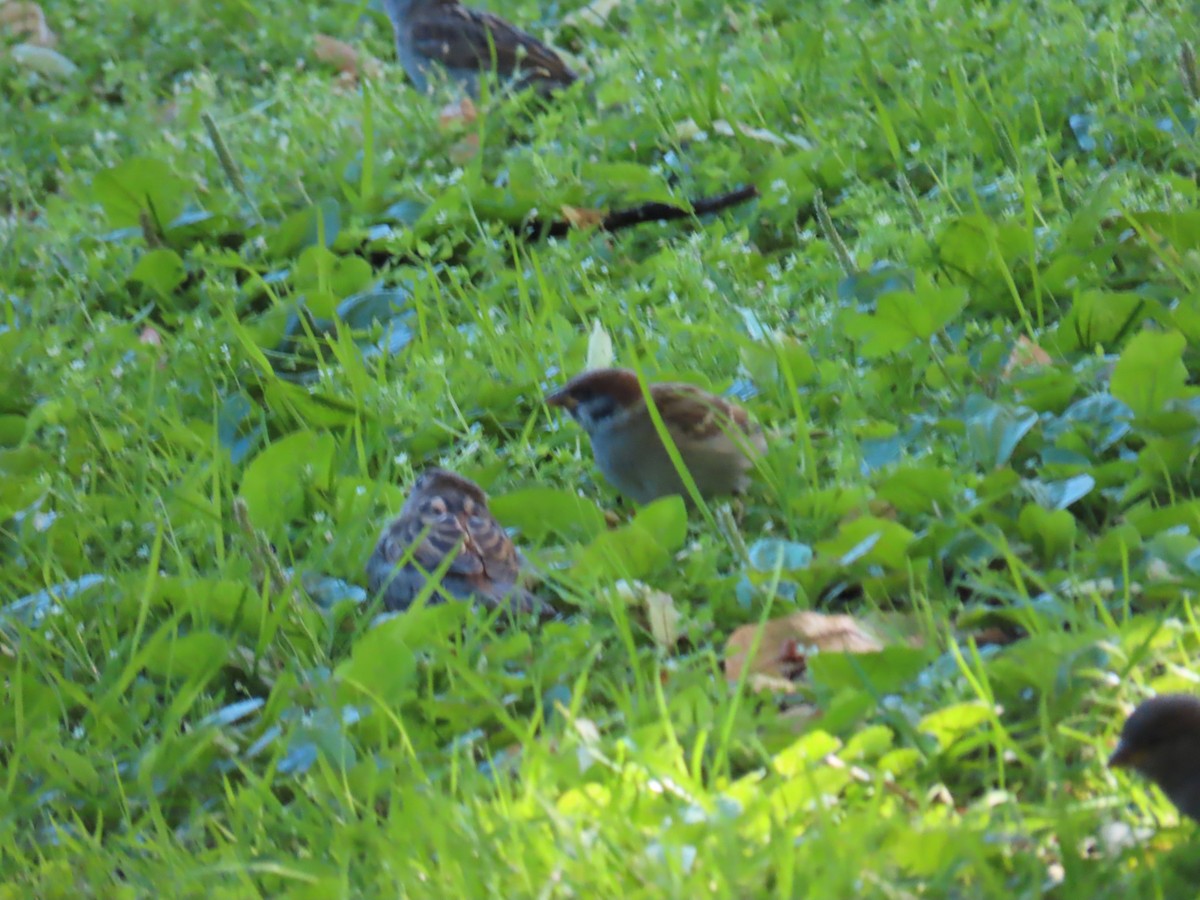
<point>698,413</point>
<point>446,514</point>
<point>457,36</point>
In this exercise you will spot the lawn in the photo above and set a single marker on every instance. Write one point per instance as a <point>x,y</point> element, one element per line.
<point>252,283</point>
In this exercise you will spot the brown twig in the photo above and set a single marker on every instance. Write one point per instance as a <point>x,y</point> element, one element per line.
<point>536,229</point>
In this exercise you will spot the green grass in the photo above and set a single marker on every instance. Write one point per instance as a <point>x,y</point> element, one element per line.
<point>180,725</point>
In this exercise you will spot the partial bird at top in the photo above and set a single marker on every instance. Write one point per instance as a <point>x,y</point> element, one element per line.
<point>466,43</point>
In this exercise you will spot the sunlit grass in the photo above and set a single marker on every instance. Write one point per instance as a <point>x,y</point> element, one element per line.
<point>180,723</point>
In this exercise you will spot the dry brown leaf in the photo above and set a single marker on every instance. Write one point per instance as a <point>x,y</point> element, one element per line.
<point>768,684</point>
<point>664,619</point>
<point>786,643</point>
<point>336,53</point>
<point>27,22</point>
<point>687,130</point>
<point>1025,355</point>
<point>346,59</point>
<point>459,112</point>
<point>462,152</point>
<point>579,217</point>
<point>661,615</point>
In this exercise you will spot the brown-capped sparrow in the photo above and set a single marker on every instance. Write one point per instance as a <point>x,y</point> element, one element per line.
<point>465,43</point>
<point>1161,740</point>
<point>447,514</point>
<point>716,439</point>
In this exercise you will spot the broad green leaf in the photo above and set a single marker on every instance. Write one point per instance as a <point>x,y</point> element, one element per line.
<point>544,512</point>
<point>1098,319</point>
<point>140,185</point>
<point>1061,494</point>
<point>384,659</point>
<point>918,489</point>
<point>805,753</point>
<point>306,228</point>
<point>1150,371</point>
<point>1051,532</point>
<point>161,270</point>
<point>994,430</point>
<point>340,276</point>
<point>191,657</point>
<point>870,540</point>
<point>902,318</point>
<point>879,673</point>
<point>627,552</point>
<point>275,481</point>
<point>630,183</point>
<point>666,519</point>
<point>950,723</point>
<point>869,743</point>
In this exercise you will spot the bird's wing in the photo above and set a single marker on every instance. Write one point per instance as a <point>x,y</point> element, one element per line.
<point>701,415</point>
<point>436,535</point>
<point>492,547</point>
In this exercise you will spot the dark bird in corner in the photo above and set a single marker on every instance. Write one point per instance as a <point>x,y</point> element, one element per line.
<point>1161,740</point>
<point>465,43</point>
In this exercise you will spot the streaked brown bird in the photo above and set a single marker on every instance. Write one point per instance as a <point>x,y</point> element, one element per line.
<point>447,516</point>
<point>1161,740</point>
<point>464,43</point>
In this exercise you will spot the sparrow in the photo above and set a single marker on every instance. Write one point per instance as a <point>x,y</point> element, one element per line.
<point>446,515</point>
<point>464,43</point>
<point>715,438</point>
<point>1161,740</point>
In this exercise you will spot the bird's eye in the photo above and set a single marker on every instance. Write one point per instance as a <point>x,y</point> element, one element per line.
<point>601,406</point>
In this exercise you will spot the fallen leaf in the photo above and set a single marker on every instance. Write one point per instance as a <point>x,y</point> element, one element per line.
<point>599,349</point>
<point>771,684</point>
<point>345,58</point>
<point>787,642</point>
<point>664,619</point>
<point>661,615</point>
<point>579,217</point>
<point>1025,355</point>
<point>459,112</point>
<point>687,131</point>
<point>462,152</point>
<point>336,53</point>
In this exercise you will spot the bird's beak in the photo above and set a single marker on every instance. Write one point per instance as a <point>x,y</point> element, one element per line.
<point>562,397</point>
<point>1125,757</point>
